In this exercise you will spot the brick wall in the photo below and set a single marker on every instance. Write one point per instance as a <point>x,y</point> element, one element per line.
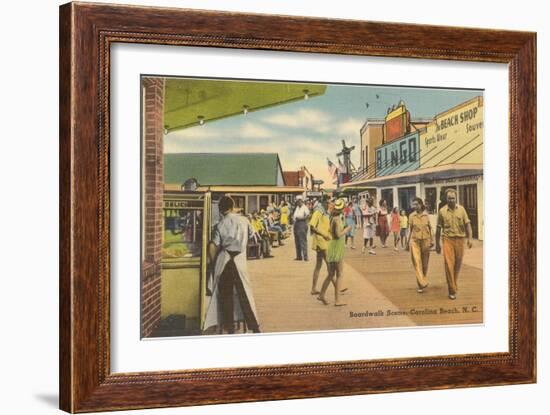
<point>153,131</point>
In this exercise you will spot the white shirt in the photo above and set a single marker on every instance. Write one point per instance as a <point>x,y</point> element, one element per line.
<point>232,232</point>
<point>301,212</point>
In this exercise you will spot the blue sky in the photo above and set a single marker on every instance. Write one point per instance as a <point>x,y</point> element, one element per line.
<point>306,132</point>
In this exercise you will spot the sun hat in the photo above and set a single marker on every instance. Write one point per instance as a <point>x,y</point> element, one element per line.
<point>339,204</point>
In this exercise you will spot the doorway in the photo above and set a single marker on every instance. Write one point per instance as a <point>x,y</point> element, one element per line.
<point>405,196</point>
<point>387,195</point>
<point>468,199</point>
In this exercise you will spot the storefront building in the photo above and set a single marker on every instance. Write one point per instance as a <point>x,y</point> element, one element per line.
<point>430,158</point>
<point>224,174</point>
<point>299,178</point>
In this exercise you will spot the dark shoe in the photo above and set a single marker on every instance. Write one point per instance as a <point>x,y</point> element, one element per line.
<point>297,259</point>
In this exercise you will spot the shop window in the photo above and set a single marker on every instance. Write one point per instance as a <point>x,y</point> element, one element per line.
<point>252,204</point>
<point>264,201</point>
<point>182,233</point>
<point>239,203</point>
<point>431,200</point>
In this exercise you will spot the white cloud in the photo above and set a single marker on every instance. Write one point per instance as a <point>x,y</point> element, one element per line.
<point>349,128</point>
<point>254,130</point>
<point>199,133</point>
<point>318,121</point>
<point>195,133</point>
<point>311,119</point>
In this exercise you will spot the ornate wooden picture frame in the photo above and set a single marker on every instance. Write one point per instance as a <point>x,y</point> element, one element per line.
<point>87,32</point>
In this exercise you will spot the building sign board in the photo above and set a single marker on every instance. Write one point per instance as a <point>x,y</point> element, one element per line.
<point>397,123</point>
<point>398,156</point>
<point>454,137</point>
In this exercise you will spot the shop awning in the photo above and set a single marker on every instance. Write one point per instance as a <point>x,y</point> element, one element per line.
<point>354,189</point>
<point>227,169</point>
<point>187,101</point>
<point>451,171</point>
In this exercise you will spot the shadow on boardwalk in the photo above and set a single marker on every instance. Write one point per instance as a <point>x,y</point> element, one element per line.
<point>381,292</point>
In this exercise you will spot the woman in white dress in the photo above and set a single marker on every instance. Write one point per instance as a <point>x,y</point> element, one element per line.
<point>369,227</point>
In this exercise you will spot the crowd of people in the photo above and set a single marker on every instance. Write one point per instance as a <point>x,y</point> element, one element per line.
<point>335,223</point>
<point>375,221</point>
<point>269,225</point>
<point>332,224</point>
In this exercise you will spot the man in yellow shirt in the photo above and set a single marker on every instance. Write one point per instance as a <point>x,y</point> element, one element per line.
<point>320,230</point>
<point>422,240</point>
<point>455,227</point>
<point>265,240</point>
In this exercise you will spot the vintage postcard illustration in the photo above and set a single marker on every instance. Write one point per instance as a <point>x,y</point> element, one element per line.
<point>293,206</point>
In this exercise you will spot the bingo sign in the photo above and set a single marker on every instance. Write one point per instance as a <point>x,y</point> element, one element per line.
<point>398,156</point>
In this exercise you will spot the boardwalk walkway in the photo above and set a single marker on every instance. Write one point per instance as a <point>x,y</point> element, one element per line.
<point>376,285</point>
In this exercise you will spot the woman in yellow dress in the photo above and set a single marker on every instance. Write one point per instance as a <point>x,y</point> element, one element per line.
<point>284,215</point>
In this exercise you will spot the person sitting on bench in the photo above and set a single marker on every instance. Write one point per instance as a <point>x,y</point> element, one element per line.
<point>273,226</point>
<point>262,235</point>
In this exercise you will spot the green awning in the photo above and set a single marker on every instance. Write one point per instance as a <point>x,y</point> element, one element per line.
<point>188,100</point>
<point>226,169</point>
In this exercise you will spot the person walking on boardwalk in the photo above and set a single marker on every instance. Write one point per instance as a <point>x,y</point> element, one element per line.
<point>419,243</point>
<point>383,227</point>
<point>350,218</point>
<point>301,214</point>
<point>395,224</point>
<point>403,226</point>
<point>284,215</point>
<point>454,227</point>
<point>232,299</point>
<point>320,230</point>
<point>357,213</point>
<point>335,255</point>
<point>369,227</point>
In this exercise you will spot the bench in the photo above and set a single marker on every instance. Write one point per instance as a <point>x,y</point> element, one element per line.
<point>253,249</point>
<point>273,236</point>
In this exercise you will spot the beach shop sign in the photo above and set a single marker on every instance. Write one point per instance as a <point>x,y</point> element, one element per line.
<point>454,137</point>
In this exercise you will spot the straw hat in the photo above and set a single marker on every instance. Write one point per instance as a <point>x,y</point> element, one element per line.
<point>339,204</point>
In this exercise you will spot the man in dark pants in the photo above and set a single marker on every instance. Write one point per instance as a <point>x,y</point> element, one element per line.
<point>301,216</point>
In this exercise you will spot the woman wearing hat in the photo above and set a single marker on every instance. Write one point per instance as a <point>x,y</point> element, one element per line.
<point>335,254</point>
